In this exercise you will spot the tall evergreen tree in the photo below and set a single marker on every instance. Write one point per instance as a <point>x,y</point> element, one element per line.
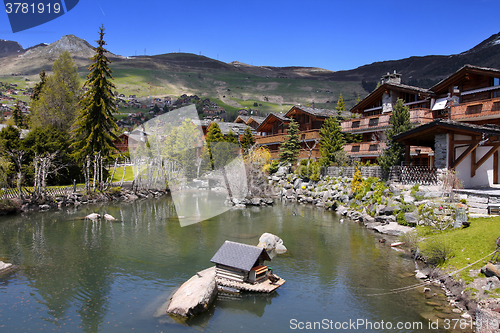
<point>95,127</point>
<point>231,137</point>
<point>340,107</point>
<point>331,140</point>
<point>17,114</point>
<point>290,148</point>
<point>399,123</point>
<point>38,87</point>
<point>247,141</point>
<point>56,103</point>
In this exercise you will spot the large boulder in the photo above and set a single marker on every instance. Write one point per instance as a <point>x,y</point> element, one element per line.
<point>271,242</point>
<point>194,296</point>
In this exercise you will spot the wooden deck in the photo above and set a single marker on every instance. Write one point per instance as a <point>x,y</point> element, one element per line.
<point>263,287</point>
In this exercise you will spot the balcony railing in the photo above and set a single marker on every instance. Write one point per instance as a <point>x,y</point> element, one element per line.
<point>381,121</point>
<point>476,110</point>
<point>364,148</point>
<point>375,149</point>
<point>278,138</point>
<point>303,154</point>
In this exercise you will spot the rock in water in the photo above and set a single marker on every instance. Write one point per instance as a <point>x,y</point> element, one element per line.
<point>195,295</point>
<point>272,242</point>
<point>4,265</point>
<point>108,217</point>
<point>93,216</point>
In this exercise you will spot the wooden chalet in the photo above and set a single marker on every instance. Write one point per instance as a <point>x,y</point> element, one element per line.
<point>374,112</point>
<point>273,129</point>
<point>465,134</point>
<point>241,263</point>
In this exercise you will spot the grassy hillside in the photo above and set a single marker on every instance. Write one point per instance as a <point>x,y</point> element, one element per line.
<point>231,89</point>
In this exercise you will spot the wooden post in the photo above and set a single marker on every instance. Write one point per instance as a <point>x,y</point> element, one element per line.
<point>407,154</point>
<point>451,151</point>
<point>473,163</point>
<point>495,167</point>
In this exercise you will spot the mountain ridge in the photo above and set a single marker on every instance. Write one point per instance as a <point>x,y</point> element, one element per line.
<point>416,70</point>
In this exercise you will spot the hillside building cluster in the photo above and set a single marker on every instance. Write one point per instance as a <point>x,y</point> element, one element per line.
<point>456,124</point>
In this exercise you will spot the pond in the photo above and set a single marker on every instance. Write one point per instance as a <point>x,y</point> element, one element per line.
<point>76,275</point>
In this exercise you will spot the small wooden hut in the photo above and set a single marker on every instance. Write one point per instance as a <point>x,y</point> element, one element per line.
<point>241,262</point>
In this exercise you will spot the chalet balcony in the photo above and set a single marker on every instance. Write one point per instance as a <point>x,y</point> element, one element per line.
<point>279,138</point>
<point>381,122</point>
<point>364,149</point>
<point>476,110</point>
<point>374,149</point>
<point>304,154</point>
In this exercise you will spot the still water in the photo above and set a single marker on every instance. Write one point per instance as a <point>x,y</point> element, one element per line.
<point>81,276</point>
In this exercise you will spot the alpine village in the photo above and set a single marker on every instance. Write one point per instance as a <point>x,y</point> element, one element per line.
<point>410,157</point>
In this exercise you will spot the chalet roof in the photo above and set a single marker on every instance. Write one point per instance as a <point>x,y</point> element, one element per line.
<point>269,120</point>
<point>423,135</point>
<point>371,97</point>
<point>323,113</point>
<point>257,119</point>
<point>443,84</point>
<point>242,119</point>
<point>238,255</point>
<point>235,127</point>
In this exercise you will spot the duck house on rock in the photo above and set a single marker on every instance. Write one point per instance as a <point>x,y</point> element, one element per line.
<point>241,263</point>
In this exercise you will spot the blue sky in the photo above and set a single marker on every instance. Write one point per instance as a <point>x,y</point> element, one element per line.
<point>330,34</point>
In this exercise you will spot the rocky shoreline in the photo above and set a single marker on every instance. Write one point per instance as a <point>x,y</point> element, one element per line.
<point>76,199</point>
<point>335,193</point>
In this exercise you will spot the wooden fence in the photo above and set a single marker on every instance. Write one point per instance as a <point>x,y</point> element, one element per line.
<point>407,175</point>
<point>420,174</point>
<point>12,193</point>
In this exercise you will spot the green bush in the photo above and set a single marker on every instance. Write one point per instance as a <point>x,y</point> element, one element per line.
<point>273,167</point>
<point>312,172</point>
<point>436,253</point>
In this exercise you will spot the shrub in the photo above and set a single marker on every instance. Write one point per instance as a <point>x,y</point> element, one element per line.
<point>357,181</point>
<point>436,253</point>
<point>311,171</point>
<point>272,167</point>
<point>410,240</point>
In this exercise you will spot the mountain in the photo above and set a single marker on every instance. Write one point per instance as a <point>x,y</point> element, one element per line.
<point>427,70</point>
<point>237,85</point>
<point>9,48</point>
<point>32,60</point>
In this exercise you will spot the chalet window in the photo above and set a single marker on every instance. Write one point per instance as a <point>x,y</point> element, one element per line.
<point>373,147</point>
<point>496,82</point>
<point>356,124</point>
<point>373,122</point>
<point>355,149</point>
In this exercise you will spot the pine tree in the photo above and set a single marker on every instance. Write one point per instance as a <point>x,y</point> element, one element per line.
<point>340,107</point>
<point>400,122</point>
<point>38,87</point>
<point>95,127</point>
<point>290,148</point>
<point>331,140</point>
<point>17,114</point>
<point>247,141</point>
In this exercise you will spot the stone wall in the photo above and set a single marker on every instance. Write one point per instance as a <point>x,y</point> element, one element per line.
<point>441,151</point>
<point>366,171</point>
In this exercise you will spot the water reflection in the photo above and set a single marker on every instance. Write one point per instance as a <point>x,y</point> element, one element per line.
<point>79,275</point>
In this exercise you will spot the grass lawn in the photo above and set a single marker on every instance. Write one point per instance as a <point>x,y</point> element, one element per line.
<point>467,245</point>
<point>129,174</point>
